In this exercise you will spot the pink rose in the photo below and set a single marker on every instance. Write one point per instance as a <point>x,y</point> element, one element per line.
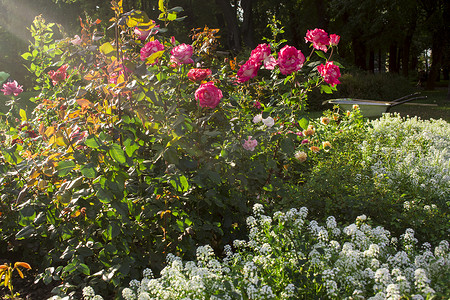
<point>334,39</point>
<point>198,74</point>
<point>330,73</point>
<point>141,34</point>
<point>290,60</point>
<point>319,38</point>
<point>248,70</point>
<point>208,95</point>
<point>76,40</point>
<point>151,48</point>
<point>181,54</point>
<point>58,75</point>
<point>262,54</point>
<point>12,87</point>
<point>250,144</point>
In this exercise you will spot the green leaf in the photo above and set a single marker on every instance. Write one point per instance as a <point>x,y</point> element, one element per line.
<point>23,114</point>
<point>171,155</point>
<point>64,167</point>
<point>176,9</point>
<point>11,155</point>
<point>161,6</point>
<point>89,170</point>
<point>172,16</point>
<point>25,232</point>
<point>104,196</point>
<point>326,89</point>
<point>321,54</point>
<point>112,231</point>
<point>3,77</point>
<point>303,123</point>
<point>287,146</point>
<point>117,153</point>
<point>84,269</point>
<point>130,146</point>
<point>106,48</point>
<point>92,141</point>
<point>180,183</point>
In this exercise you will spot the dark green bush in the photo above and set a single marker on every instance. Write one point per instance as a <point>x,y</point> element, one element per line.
<point>381,86</point>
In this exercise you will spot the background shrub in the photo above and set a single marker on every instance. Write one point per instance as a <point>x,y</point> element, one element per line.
<point>381,86</point>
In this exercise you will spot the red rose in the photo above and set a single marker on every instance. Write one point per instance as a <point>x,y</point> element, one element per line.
<point>198,74</point>
<point>58,75</point>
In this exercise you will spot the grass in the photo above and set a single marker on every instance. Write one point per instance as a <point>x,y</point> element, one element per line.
<point>437,96</point>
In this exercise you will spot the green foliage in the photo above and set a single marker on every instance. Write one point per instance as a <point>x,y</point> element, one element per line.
<point>350,181</point>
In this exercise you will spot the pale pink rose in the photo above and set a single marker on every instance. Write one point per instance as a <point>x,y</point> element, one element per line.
<point>319,38</point>
<point>250,144</point>
<point>269,121</point>
<point>258,118</point>
<point>301,156</point>
<point>76,40</point>
<point>12,87</point>
<point>141,34</point>
<point>270,62</point>
<point>330,73</point>
<point>58,75</point>
<point>248,70</point>
<point>334,39</point>
<point>181,54</point>
<point>290,60</point>
<point>198,74</point>
<point>208,95</point>
<point>151,48</point>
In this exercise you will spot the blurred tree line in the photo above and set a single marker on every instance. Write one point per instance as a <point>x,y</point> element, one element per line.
<point>409,37</point>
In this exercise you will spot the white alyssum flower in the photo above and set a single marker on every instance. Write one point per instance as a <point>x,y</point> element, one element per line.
<point>362,263</point>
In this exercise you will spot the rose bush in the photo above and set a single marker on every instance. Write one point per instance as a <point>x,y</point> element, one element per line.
<point>130,155</point>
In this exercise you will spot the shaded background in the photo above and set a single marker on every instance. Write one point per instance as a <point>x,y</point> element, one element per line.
<point>406,37</point>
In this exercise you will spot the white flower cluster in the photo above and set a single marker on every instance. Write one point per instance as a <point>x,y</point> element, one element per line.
<point>411,152</point>
<point>289,257</point>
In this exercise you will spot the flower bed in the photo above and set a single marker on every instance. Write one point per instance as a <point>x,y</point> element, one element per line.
<point>288,256</point>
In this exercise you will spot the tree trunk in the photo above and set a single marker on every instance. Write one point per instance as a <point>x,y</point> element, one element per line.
<point>436,59</point>
<point>359,49</point>
<point>247,24</point>
<point>372,61</point>
<point>380,63</point>
<point>234,40</point>
<point>405,55</point>
<point>448,91</point>
<point>393,58</point>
